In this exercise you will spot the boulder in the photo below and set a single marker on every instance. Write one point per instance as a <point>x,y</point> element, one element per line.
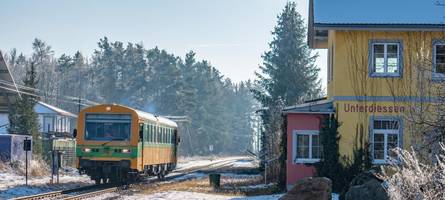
<point>366,186</point>
<point>311,188</point>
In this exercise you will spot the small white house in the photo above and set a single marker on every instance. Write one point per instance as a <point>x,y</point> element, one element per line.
<point>53,119</point>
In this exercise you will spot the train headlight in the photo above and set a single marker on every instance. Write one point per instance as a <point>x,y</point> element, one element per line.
<point>87,150</point>
<point>126,151</point>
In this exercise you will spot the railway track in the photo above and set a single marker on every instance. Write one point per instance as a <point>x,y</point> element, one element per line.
<point>96,190</point>
<point>74,194</point>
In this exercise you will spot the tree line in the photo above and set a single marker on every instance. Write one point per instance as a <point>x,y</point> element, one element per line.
<point>152,80</point>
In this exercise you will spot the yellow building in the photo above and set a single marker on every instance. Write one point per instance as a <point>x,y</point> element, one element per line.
<point>386,68</point>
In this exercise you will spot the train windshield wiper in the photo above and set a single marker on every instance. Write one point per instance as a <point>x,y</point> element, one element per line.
<point>113,139</point>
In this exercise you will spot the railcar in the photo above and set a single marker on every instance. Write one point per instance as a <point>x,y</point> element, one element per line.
<point>117,143</point>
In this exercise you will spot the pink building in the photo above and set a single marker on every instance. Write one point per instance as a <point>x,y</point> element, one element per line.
<point>303,142</point>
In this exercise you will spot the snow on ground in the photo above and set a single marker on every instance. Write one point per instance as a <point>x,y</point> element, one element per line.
<point>13,185</point>
<point>196,175</point>
<point>245,164</point>
<point>182,195</point>
<point>259,186</point>
<point>195,162</point>
<point>199,175</point>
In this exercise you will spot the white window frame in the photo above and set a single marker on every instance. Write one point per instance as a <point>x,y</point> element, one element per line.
<point>385,133</point>
<point>295,143</point>
<point>372,69</point>
<point>440,76</point>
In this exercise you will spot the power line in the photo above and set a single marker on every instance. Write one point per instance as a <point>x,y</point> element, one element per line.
<point>38,96</point>
<point>43,92</point>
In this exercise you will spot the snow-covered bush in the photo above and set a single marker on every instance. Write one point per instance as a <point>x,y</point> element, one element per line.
<point>409,178</point>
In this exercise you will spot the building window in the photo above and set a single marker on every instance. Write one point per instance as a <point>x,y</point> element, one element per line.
<point>307,148</point>
<point>439,59</point>
<point>386,136</point>
<point>385,58</point>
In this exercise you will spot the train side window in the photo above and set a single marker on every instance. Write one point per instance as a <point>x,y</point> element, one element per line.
<point>167,139</point>
<point>169,135</point>
<point>141,132</point>
<point>145,133</point>
<point>159,135</point>
<point>148,132</point>
<point>163,135</point>
<point>151,133</point>
<point>156,134</point>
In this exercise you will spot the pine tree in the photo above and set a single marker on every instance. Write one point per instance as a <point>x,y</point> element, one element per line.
<point>22,117</point>
<point>152,80</point>
<point>288,69</point>
<point>288,73</point>
<point>43,59</point>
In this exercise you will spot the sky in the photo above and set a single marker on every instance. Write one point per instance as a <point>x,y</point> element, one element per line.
<point>231,34</point>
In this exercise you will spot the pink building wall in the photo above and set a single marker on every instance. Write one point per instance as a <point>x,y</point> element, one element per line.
<point>294,171</point>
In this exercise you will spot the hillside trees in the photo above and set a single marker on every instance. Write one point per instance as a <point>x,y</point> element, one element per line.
<point>151,80</point>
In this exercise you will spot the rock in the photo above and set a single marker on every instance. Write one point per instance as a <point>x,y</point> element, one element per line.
<point>366,186</point>
<point>311,188</point>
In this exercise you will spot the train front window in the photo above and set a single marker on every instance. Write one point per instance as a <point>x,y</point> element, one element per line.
<point>104,127</point>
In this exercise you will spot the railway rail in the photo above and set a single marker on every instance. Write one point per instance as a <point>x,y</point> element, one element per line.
<point>96,190</point>
<point>74,194</point>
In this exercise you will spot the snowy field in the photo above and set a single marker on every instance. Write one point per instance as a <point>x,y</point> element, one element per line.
<point>181,195</point>
<point>234,161</point>
<point>13,185</point>
<point>12,180</point>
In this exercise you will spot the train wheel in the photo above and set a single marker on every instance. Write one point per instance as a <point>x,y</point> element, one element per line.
<point>97,181</point>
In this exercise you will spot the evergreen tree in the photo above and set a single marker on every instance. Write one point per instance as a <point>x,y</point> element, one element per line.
<point>288,69</point>
<point>43,59</point>
<point>330,166</point>
<point>152,80</point>
<point>341,169</point>
<point>288,73</point>
<point>22,117</point>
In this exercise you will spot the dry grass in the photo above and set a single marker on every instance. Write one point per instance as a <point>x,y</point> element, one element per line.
<point>231,186</point>
<point>4,167</point>
<point>36,167</point>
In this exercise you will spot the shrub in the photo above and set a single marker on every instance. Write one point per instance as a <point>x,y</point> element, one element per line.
<point>36,168</point>
<point>409,178</point>
<point>341,169</point>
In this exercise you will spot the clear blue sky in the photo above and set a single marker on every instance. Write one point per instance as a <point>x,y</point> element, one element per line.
<point>231,34</point>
